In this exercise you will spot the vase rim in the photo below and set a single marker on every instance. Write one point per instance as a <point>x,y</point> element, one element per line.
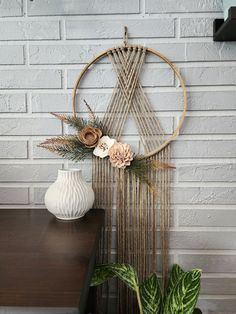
<point>70,170</point>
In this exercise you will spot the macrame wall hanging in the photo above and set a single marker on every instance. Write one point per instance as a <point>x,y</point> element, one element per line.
<point>142,213</point>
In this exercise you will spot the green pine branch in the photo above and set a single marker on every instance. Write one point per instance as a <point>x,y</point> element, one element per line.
<point>67,146</point>
<point>80,123</point>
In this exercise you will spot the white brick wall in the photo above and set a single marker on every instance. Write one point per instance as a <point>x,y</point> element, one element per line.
<point>44,45</point>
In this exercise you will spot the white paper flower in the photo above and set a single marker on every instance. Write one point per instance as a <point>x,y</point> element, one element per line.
<point>103,146</point>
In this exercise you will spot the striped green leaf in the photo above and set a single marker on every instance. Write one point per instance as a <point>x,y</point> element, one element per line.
<point>175,275</point>
<point>183,297</point>
<point>101,274</point>
<point>127,274</point>
<point>151,296</point>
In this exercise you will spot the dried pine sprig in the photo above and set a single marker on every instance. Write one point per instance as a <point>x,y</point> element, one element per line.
<point>75,122</point>
<point>140,167</point>
<point>79,123</point>
<point>74,153</point>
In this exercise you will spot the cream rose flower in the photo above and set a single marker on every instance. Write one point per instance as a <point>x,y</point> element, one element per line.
<point>103,146</point>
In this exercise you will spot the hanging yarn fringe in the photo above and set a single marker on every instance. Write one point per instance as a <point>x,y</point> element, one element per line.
<point>139,215</point>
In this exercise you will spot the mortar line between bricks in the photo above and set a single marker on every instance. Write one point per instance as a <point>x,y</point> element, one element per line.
<point>217,297</point>
<point>111,16</point>
<point>167,114</point>
<point>204,137</point>
<point>142,8</point>
<point>151,65</point>
<point>62,28</point>
<point>31,195</point>
<point>64,79</point>
<point>202,207</point>
<point>110,41</point>
<point>28,105</point>
<point>215,275</point>
<point>30,150</point>
<point>203,161</point>
<point>159,89</point>
<point>24,9</point>
<point>106,65</point>
<point>158,65</point>
<point>221,185</point>
<point>22,206</point>
<point>204,184</point>
<point>204,252</point>
<point>182,138</point>
<point>177,28</point>
<point>27,54</point>
<point>209,229</point>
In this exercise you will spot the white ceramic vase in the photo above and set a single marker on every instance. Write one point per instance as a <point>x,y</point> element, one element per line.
<point>69,197</point>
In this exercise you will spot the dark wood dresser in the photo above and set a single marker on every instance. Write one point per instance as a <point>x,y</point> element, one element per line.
<point>45,263</point>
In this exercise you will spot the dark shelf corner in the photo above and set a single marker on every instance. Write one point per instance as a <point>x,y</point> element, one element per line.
<point>225,30</point>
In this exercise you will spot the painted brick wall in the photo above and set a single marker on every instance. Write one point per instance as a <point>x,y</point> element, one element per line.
<point>43,46</point>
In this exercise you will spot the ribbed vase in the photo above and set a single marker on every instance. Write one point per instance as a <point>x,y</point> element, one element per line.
<point>70,196</point>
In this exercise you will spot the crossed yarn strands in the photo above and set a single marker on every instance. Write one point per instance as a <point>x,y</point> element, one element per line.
<point>140,216</point>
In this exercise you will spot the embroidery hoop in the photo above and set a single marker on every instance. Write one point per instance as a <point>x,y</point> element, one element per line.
<point>155,53</point>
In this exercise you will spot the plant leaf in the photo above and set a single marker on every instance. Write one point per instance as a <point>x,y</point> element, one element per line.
<point>175,275</point>
<point>183,297</point>
<point>127,274</point>
<point>151,296</point>
<point>101,274</point>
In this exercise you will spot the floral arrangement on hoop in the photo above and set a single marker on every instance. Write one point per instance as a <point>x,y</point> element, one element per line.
<point>92,139</point>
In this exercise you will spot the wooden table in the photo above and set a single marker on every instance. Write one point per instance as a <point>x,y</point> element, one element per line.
<point>45,262</point>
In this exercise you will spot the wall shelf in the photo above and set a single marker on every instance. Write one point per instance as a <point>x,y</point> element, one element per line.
<point>225,30</point>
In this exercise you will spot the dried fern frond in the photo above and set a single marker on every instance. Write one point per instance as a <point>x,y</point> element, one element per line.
<point>92,117</point>
<point>74,153</point>
<point>62,140</point>
<point>158,165</point>
<point>67,146</point>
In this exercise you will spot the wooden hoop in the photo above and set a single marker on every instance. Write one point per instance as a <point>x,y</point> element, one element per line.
<point>166,60</point>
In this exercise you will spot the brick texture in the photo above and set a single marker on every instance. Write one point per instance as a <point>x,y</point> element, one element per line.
<point>27,30</point>
<point>11,8</point>
<point>77,7</point>
<point>172,6</point>
<point>43,47</point>
<point>114,28</point>
<point>12,102</point>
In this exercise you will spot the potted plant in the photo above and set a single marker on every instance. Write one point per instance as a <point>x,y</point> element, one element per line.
<point>180,296</point>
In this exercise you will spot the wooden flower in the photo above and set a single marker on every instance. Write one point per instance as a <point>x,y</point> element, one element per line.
<point>90,136</point>
<point>103,146</point>
<point>120,155</point>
